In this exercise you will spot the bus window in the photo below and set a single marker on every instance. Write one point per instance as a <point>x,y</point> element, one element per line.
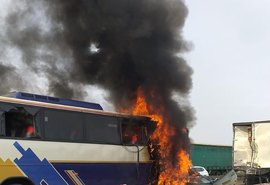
<point>133,134</point>
<point>19,123</point>
<point>63,125</point>
<point>102,129</point>
<point>2,124</point>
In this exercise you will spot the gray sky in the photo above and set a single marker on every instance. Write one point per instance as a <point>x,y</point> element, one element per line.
<point>230,58</point>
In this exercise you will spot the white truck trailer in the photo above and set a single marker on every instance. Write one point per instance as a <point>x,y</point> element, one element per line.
<point>251,150</point>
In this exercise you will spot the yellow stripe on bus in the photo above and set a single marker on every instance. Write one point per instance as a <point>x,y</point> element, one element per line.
<point>9,169</point>
<point>73,177</point>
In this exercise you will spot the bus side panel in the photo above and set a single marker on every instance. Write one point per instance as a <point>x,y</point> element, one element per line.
<point>104,173</point>
<point>74,163</point>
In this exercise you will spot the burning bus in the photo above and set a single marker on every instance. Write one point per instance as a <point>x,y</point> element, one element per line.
<point>130,49</point>
<point>72,142</point>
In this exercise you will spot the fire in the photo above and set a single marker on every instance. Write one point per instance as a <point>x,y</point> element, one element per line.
<point>170,173</point>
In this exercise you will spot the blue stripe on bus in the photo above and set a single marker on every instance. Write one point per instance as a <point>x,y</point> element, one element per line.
<point>107,173</point>
<point>59,173</point>
<point>38,171</point>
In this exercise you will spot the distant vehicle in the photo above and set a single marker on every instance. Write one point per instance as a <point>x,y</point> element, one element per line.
<point>201,170</point>
<point>216,159</point>
<point>251,150</point>
<point>71,142</point>
<point>229,178</point>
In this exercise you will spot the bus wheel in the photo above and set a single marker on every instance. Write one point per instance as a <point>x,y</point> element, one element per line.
<point>17,181</point>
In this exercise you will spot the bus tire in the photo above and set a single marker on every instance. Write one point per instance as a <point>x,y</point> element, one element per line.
<point>17,181</point>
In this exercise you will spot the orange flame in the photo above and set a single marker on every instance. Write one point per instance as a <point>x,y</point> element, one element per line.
<point>170,174</point>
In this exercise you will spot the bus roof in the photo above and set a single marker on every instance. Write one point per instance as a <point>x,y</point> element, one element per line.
<point>54,100</point>
<point>68,107</point>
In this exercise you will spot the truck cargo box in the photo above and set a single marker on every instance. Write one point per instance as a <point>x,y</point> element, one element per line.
<point>251,145</point>
<point>217,159</point>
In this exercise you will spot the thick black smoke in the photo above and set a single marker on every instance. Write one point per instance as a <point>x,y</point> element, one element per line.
<point>137,44</point>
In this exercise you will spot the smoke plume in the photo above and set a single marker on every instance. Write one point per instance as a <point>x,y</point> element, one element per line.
<point>9,78</point>
<point>137,45</point>
<point>119,45</point>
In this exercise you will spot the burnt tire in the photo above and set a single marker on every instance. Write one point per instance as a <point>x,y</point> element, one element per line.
<point>17,181</point>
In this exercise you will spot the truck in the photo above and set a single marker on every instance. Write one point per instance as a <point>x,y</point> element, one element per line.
<point>251,150</point>
<point>216,159</point>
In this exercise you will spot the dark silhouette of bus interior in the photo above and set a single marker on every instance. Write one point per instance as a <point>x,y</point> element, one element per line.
<point>136,131</point>
<point>132,134</point>
<point>19,123</point>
